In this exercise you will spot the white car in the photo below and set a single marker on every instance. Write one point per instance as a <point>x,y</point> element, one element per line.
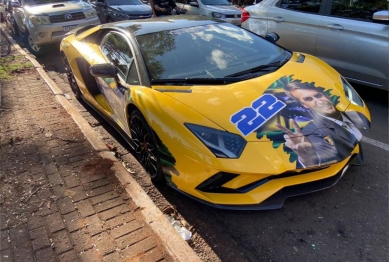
<point>221,9</point>
<point>42,22</point>
<point>351,36</point>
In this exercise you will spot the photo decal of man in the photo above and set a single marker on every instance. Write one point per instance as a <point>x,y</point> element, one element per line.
<point>329,137</point>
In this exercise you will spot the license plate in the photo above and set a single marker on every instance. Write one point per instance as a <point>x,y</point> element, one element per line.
<point>69,27</point>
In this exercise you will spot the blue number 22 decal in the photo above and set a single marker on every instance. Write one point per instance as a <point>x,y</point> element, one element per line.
<point>251,118</point>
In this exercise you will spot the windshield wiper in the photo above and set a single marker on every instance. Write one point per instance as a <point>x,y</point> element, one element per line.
<point>260,68</point>
<point>198,81</point>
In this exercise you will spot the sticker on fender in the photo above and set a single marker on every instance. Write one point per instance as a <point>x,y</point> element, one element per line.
<point>251,118</point>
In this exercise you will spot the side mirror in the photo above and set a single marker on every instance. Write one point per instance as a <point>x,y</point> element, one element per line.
<point>195,4</point>
<point>103,70</point>
<point>381,16</point>
<point>272,37</point>
<point>99,4</point>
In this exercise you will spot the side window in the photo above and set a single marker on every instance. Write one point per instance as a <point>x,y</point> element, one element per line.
<point>133,78</point>
<point>358,9</point>
<point>118,52</point>
<point>312,6</point>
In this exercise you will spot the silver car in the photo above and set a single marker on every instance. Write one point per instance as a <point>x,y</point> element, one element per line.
<point>350,35</point>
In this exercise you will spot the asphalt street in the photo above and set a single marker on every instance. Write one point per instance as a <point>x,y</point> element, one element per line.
<point>348,222</point>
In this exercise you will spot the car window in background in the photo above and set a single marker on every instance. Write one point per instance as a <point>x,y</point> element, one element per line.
<point>359,9</point>
<point>118,52</point>
<point>302,5</point>
<point>215,2</point>
<point>124,2</point>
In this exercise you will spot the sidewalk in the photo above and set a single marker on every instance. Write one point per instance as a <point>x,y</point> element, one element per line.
<point>64,196</point>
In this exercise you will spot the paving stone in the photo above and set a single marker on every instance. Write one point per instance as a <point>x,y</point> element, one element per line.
<point>61,242</point>
<point>77,193</point>
<point>55,179</point>
<point>132,238</point>
<point>85,208</point>
<point>109,204</point>
<point>87,178</point>
<point>54,222</point>
<point>50,168</point>
<point>72,181</point>
<point>91,256</point>
<point>6,255</point>
<point>113,212</point>
<point>139,248</point>
<point>5,240</point>
<point>125,229</point>
<point>114,256</point>
<point>19,235</point>
<point>66,205</point>
<point>62,160</point>
<point>23,253</point>
<point>72,221</point>
<point>93,224</point>
<point>81,240</point>
<point>96,184</point>
<point>59,191</point>
<point>69,256</point>
<point>35,222</point>
<point>39,238</point>
<point>119,220</point>
<point>100,190</point>
<point>104,243</point>
<point>45,255</point>
<point>154,254</point>
<point>104,197</point>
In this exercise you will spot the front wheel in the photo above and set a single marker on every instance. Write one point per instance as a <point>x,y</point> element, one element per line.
<point>34,48</point>
<point>71,78</point>
<point>146,147</point>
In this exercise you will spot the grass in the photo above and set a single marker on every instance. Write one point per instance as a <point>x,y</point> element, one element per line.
<point>12,65</point>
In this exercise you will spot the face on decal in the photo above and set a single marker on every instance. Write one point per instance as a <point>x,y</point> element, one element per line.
<point>316,101</point>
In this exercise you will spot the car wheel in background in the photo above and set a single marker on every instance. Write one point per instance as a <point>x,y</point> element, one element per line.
<point>34,48</point>
<point>146,148</point>
<point>71,79</point>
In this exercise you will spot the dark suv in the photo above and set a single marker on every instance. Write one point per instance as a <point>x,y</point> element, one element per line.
<point>117,10</point>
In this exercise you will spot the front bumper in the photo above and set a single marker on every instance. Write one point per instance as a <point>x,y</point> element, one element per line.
<point>53,33</point>
<point>277,200</point>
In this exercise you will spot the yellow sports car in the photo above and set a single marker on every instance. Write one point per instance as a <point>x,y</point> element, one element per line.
<point>221,114</point>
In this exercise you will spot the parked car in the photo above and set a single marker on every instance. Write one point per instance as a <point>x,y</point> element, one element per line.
<point>6,11</point>
<point>352,36</point>
<point>206,107</point>
<point>221,9</point>
<point>118,10</point>
<point>42,22</point>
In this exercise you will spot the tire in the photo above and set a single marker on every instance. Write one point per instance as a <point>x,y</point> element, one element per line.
<point>72,80</point>
<point>34,49</point>
<point>146,147</point>
<point>5,45</point>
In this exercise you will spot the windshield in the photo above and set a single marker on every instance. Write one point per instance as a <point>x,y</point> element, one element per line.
<point>42,2</point>
<point>211,51</point>
<point>124,2</point>
<point>215,2</point>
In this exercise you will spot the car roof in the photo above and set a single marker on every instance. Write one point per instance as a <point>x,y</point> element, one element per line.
<point>152,25</point>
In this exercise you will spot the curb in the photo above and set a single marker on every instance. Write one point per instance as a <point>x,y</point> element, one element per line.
<point>176,247</point>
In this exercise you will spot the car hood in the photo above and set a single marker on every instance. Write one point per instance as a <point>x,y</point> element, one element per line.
<point>57,7</point>
<point>220,103</point>
<point>224,9</point>
<point>132,9</point>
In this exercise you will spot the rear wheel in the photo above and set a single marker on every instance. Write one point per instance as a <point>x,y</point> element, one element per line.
<point>146,148</point>
<point>34,48</point>
<point>71,78</point>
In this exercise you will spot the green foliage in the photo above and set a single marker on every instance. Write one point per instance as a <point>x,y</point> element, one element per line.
<point>11,65</point>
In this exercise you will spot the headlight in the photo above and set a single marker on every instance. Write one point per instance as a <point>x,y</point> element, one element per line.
<point>221,143</point>
<point>218,15</point>
<point>121,16</point>
<point>351,94</point>
<point>90,13</point>
<point>40,19</point>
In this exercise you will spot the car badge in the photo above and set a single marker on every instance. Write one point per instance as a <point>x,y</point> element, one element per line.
<point>329,140</point>
<point>68,16</point>
<point>236,16</point>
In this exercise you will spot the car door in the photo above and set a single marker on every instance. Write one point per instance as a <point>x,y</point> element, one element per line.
<point>297,23</point>
<point>353,43</point>
<point>100,7</point>
<point>117,50</point>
